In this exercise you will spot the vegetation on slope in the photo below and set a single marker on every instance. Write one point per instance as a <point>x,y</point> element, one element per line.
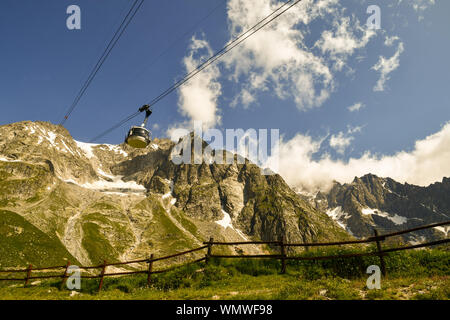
<point>420,274</point>
<point>22,243</point>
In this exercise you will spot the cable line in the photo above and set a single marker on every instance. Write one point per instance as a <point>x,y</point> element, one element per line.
<point>112,43</point>
<point>114,127</point>
<point>242,37</point>
<point>188,32</point>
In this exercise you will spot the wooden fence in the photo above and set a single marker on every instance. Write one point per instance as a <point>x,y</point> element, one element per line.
<point>282,244</point>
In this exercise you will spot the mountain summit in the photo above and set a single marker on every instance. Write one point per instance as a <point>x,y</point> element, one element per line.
<point>372,202</point>
<point>64,199</point>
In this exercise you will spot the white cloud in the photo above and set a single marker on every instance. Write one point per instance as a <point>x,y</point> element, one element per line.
<point>428,162</point>
<point>351,130</point>
<point>276,58</point>
<point>390,40</point>
<point>198,97</point>
<point>245,98</point>
<point>178,130</point>
<point>387,65</point>
<point>355,107</point>
<point>419,6</point>
<point>341,42</point>
<point>340,142</point>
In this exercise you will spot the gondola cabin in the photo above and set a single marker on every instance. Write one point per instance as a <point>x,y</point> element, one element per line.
<point>138,137</point>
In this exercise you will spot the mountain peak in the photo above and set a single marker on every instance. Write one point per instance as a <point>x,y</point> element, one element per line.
<point>372,202</point>
<point>112,201</point>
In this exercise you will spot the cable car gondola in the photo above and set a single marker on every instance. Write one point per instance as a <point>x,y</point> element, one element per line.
<point>139,136</point>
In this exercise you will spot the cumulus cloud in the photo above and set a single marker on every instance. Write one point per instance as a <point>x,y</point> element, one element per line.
<point>355,107</point>
<point>198,97</point>
<point>428,162</point>
<point>277,58</point>
<point>244,99</point>
<point>387,65</point>
<point>346,36</point>
<point>340,142</point>
<point>390,40</point>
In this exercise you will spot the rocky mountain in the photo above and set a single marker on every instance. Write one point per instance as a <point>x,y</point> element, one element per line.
<point>372,202</point>
<point>63,199</point>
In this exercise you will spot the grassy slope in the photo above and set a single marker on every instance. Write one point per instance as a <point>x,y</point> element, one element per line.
<point>105,237</point>
<point>22,243</point>
<point>411,275</point>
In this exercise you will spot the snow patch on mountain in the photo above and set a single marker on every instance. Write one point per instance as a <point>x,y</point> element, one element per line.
<point>44,134</point>
<point>444,230</point>
<point>170,193</point>
<point>116,185</point>
<point>8,160</point>
<point>103,173</point>
<point>417,239</point>
<point>51,137</point>
<point>31,128</point>
<point>339,216</point>
<point>86,148</point>
<point>306,194</point>
<point>394,218</point>
<point>123,194</point>
<point>48,135</point>
<point>114,148</point>
<point>66,148</point>
<point>225,222</point>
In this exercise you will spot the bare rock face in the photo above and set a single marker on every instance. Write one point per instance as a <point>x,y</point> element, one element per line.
<point>371,202</point>
<point>95,202</point>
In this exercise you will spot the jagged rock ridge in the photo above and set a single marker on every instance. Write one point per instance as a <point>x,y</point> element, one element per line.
<point>372,202</point>
<point>92,202</point>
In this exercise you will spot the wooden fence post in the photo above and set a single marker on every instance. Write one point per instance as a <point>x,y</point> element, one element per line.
<point>208,253</point>
<point>380,254</point>
<point>30,267</point>
<point>283,255</point>
<point>150,267</point>
<point>102,275</point>
<point>64,277</point>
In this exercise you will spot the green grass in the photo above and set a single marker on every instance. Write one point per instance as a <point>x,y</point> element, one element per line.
<point>22,243</point>
<point>34,198</point>
<point>96,245</point>
<point>165,234</point>
<point>398,264</point>
<point>185,222</point>
<point>103,206</point>
<point>260,279</point>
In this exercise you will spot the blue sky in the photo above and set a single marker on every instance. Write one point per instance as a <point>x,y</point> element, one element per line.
<point>43,65</point>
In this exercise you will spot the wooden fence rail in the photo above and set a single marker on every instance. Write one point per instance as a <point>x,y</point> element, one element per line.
<point>283,257</point>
